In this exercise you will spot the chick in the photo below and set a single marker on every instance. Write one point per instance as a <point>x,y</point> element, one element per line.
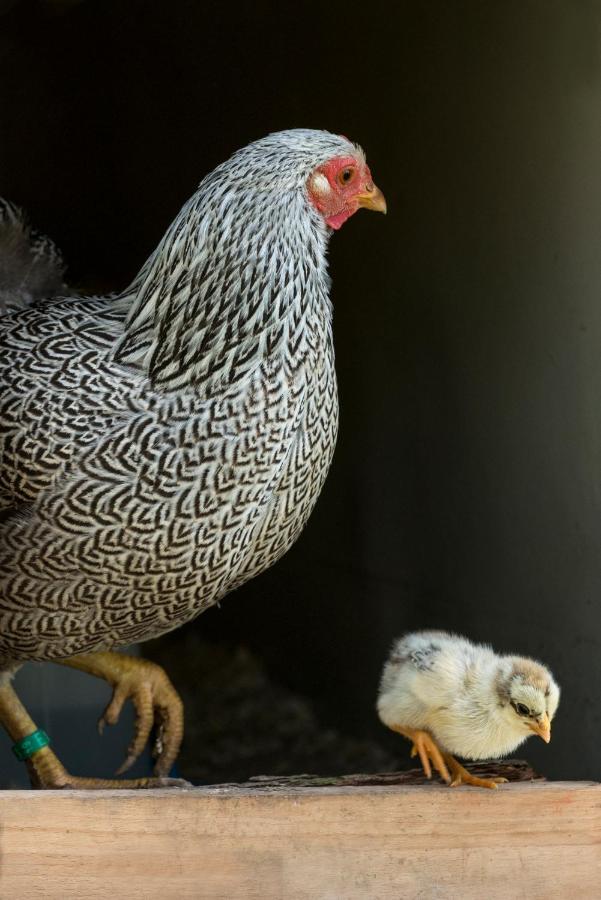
<point>449,696</point>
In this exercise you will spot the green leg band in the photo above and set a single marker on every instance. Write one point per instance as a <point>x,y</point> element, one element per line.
<point>29,745</point>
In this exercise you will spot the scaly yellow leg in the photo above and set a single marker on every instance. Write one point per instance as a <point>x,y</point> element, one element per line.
<point>461,775</point>
<point>154,698</point>
<point>427,749</point>
<point>45,769</point>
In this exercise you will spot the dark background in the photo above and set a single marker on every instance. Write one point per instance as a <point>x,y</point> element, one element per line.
<point>465,490</point>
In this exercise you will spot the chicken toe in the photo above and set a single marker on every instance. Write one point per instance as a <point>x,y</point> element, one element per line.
<point>156,702</point>
<point>460,775</point>
<point>44,767</point>
<point>427,749</point>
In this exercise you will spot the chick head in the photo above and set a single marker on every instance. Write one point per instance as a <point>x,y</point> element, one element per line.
<point>530,697</point>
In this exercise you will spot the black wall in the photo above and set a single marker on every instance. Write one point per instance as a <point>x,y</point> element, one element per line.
<point>466,489</point>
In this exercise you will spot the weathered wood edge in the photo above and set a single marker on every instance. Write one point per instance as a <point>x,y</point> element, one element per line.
<point>514,770</point>
<point>239,791</point>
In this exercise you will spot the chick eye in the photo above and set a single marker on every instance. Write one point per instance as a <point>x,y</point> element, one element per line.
<point>521,709</point>
<point>345,176</point>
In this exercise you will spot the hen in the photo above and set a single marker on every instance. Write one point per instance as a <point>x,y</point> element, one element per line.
<point>160,448</point>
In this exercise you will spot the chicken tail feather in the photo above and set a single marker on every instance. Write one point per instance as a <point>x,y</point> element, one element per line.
<point>31,265</point>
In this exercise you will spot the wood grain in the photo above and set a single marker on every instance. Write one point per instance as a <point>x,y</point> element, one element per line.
<point>527,840</point>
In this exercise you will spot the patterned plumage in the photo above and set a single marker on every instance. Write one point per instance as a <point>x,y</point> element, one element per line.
<point>162,447</point>
<point>31,266</point>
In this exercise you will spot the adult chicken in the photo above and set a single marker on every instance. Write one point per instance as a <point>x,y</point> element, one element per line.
<point>160,448</point>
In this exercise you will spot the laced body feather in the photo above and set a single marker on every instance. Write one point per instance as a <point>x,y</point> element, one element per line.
<point>160,448</point>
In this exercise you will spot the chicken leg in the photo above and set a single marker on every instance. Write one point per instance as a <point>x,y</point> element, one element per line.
<point>426,747</point>
<point>428,750</point>
<point>460,775</point>
<point>154,698</point>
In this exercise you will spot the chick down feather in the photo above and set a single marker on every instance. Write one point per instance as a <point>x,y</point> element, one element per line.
<point>465,695</point>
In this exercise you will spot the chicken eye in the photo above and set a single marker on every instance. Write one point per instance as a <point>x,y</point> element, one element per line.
<point>521,709</point>
<point>345,176</point>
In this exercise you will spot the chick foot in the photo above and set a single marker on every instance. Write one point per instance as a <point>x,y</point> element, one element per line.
<point>45,769</point>
<point>427,749</point>
<point>156,702</point>
<point>460,775</point>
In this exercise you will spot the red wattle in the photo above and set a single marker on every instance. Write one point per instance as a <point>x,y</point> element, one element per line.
<point>338,219</point>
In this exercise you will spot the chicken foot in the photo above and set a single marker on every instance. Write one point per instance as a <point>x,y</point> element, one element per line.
<point>44,767</point>
<point>446,765</point>
<point>427,749</point>
<point>155,701</point>
<point>460,775</point>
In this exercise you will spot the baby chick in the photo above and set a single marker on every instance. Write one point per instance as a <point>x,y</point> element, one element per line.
<point>449,696</point>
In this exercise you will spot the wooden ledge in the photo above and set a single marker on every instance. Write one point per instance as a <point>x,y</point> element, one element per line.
<point>526,840</point>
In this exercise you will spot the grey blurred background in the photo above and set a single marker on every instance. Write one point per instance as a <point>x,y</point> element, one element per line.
<point>465,491</point>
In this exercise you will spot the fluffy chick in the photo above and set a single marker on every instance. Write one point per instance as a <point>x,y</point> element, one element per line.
<point>450,696</point>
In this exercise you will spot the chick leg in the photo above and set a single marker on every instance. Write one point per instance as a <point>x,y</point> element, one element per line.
<point>45,769</point>
<point>154,698</point>
<point>461,775</point>
<point>427,749</point>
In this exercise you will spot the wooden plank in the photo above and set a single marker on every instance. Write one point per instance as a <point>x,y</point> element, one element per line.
<point>528,840</point>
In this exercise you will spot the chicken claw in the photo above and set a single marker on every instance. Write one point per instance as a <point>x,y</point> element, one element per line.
<point>45,769</point>
<point>461,775</point>
<point>155,701</point>
<point>427,749</point>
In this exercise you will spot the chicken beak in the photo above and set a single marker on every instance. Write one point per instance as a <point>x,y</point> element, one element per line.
<point>372,198</point>
<point>543,728</point>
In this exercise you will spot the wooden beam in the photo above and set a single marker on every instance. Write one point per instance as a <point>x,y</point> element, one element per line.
<point>526,840</point>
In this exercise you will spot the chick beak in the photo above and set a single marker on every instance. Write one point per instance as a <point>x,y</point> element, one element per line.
<point>542,727</point>
<point>372,198</point>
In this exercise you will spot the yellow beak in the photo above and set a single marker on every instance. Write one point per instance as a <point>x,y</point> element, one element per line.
<point>372,198</point>
<point>543,728</point>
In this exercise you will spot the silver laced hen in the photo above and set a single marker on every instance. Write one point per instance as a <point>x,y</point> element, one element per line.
<point>160,448</point>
